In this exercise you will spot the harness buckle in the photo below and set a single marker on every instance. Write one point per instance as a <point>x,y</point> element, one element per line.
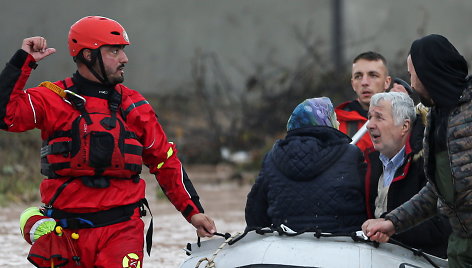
<point>73,94</point>
<point>78,102</point>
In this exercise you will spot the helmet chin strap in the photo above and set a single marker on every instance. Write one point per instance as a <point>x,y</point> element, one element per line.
<point>96,55</point>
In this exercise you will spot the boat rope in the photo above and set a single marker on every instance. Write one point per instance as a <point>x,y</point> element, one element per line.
<point>284,230</point>
<point>225,235</point>
<point>211,261</point>
<point>417,252</point>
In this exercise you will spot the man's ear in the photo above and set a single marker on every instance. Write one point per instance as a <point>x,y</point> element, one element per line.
<point>388,81</point>
<point>406,127</point>
<point>87,54</point>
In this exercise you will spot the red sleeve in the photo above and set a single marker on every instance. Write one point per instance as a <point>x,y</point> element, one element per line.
<point>160,156</point>
<point>19,110</point>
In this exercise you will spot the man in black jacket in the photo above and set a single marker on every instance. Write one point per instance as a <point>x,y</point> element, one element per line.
<point>395,168</point>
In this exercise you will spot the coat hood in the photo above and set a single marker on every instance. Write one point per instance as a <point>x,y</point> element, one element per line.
<point>440,68</point>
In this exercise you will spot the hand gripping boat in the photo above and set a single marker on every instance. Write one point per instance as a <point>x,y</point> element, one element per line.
<point>266,248</point>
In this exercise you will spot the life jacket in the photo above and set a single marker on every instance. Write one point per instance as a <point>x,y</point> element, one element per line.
<point>98,143</point>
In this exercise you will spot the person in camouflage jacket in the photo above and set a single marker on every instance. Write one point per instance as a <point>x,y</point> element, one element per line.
<point>438,75</point>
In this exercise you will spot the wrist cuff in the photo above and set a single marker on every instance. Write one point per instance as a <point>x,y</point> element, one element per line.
<point>19,58</point>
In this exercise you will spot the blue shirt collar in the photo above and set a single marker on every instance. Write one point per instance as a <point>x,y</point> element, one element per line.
<point>397,160</point>
<point>390,166</point>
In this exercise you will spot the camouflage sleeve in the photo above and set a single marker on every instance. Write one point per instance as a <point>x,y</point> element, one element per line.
<point>420,207</point>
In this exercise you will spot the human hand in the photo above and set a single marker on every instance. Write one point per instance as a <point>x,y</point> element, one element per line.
<point>378,230</point>
<point>205,225</point>
<point>37,47</point>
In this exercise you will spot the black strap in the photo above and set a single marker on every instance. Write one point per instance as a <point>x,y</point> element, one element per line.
<point>63,147</point>
<point>100,218</point>
<point>66,147</point>
<point>93,219</point>
<point>114,103</point>
<point>417,252</point>
<point>58,192</point>
<point>49,170</point>
<point>98,54</point>
<point>57,134</point>
<point>95,55</point>
<point>130,135</point>
<point>79,105</point>
<point>133,149</point>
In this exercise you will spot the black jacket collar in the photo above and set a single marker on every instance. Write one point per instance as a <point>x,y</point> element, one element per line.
<point>85,87</point>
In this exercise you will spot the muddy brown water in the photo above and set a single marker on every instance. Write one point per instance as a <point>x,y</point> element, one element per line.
<point>223,201</point>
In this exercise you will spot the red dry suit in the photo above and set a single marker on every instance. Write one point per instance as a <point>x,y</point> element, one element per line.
<point>350,121</point>
<point>40,107</point>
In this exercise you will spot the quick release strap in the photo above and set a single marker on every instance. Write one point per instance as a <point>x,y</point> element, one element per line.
<point>55,88</point>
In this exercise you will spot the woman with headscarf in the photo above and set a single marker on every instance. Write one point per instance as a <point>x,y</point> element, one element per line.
<point>312,179</point>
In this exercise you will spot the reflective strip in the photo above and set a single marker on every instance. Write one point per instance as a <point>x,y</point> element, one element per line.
<point>170,152</point>
<point>151,144</point>
<point>32,107</point>
<point>182,181</point>
<point>134,105</point>
<point>35,227</point>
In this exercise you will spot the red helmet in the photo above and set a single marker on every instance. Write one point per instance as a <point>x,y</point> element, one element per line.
<point>93,32</point>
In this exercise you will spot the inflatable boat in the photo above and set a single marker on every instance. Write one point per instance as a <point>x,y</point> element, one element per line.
<point>256,249</point>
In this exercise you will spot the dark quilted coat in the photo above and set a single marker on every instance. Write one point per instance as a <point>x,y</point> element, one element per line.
<point>312,179</point>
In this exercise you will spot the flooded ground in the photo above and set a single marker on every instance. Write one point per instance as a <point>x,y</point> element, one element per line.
<point>224,202</point>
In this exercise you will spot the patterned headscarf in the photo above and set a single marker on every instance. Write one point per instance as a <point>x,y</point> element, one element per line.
<point>313,112</point>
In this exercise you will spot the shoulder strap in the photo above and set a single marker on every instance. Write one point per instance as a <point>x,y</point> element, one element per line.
<point>77,101</point>
<point>114,101</point>
<point>68,84</point>
<point>54,88</point>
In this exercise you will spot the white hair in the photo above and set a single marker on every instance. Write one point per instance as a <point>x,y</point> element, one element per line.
<point>403,107</point>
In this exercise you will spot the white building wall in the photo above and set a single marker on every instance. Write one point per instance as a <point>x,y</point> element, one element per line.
<point>166,34</point>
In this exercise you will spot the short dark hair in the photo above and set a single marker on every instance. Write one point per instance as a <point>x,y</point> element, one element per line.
<point>370,56</point>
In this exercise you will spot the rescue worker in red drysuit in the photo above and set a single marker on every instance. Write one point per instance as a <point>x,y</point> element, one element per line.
<point>103,209</point>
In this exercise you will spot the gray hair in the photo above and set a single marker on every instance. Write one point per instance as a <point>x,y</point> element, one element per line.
<point>403,106</point>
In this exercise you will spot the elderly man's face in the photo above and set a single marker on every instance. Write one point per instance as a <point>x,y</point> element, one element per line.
<point>387,137</point>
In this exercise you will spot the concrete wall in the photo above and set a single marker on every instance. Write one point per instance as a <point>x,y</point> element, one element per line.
<point>166,34</point>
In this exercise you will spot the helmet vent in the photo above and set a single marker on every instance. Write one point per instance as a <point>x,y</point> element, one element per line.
<point>73,40</point>
<point>115,33</point>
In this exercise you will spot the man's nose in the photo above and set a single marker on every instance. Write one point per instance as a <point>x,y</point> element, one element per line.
<point>124,58</point>
<point>370,124</point>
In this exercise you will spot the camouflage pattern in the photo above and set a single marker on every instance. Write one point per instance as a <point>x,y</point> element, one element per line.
<point>427,201</point>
